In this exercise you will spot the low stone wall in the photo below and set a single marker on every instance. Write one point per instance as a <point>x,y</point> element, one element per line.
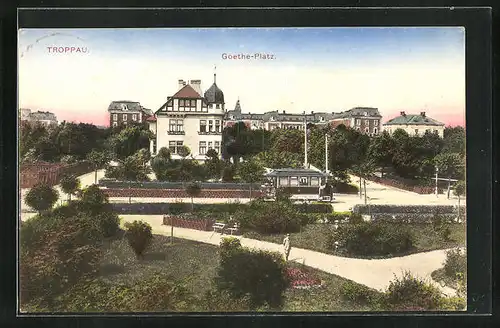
<point>188,223</point>
<point>178,193</point>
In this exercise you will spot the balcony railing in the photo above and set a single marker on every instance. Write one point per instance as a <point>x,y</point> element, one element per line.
<point>176,132</point>
<point>209,132</point>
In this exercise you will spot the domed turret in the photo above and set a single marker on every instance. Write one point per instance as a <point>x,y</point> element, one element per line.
<point>214,95</point>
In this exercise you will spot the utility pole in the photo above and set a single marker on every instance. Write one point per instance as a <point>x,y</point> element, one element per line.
<point>305,141</point>
<point>326,153</point>
<point>436,190</point>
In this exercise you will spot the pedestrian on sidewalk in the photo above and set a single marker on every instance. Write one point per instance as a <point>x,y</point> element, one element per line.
<point>286,245</point>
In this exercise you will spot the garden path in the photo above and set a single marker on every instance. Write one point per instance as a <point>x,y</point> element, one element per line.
<point>375,273</point>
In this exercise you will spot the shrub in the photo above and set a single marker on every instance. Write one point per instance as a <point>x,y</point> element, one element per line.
<point>109,223</point>
<point>139,236</point>
<point>358,293</point>
<point>41,197</point>
<point>69,184</point>
<point>270,217</point>
<point>409,292</point>
<point>256,274</point>
<point>455,263</point>
<point>369,239</point>
<point>344,188</point>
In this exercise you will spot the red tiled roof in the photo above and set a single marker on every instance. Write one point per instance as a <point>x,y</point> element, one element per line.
<point>187,92</point>
<point>151,119</point>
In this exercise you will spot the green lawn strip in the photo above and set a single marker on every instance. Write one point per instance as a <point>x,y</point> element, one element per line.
<point>197,262</point>
<point>314,237</point>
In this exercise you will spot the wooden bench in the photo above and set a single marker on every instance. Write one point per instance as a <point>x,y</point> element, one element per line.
<point>219,227</point>
<point>234,229</point>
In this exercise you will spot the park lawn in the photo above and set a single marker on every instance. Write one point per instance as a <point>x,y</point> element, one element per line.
<point>196,264</point>
<point>315,236</point>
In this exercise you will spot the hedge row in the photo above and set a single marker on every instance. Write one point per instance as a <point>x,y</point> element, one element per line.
<point>401,185</point>
<point>175,208</point>
<point>413,217</point>
<point>407,209</point>
<point>112,183</point>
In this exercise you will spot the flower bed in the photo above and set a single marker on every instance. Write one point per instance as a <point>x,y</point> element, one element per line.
<point>300,279</point>
<point>177,193</point>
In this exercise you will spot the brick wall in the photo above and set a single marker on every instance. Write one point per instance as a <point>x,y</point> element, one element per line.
<point>197,224</point>
<point>49,173</point>
<point>178,193</point>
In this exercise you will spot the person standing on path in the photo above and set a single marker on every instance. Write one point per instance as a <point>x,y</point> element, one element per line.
<point>286,245</point>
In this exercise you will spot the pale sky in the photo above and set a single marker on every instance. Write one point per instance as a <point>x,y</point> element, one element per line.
<point>314,69</point>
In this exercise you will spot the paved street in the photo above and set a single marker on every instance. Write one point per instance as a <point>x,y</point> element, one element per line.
<point>373,273</point>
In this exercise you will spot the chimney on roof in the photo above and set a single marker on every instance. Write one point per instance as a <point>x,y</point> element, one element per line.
<point>312,112</point>
<point>422,114</point>
<point>182,83</point>
<point>402,113</point>
<point>283,112</point>
<point>196,84</point>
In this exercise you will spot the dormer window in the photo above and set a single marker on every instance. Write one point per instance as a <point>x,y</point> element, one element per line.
<point>365,113</point>
<point>124,107</point>
<point>272,118</point>
<point>321,119</point>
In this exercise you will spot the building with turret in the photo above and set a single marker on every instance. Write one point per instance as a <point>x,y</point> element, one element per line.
<point>189,118</point>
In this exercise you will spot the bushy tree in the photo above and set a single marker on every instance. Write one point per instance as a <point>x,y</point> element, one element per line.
<point>56,257</point>
<point>184,151</point>
<point>98,159</point>
<point>139,235</point>
<point>41,197</point>
<point>258,275</point>
<point>69,184</point>
<point>381,150</point>
<point>213,164</point>
<point>93,200</point>
<point>450,166</point>
<point>251,172</point>
<point>132,168</point>
<point>129,140</point>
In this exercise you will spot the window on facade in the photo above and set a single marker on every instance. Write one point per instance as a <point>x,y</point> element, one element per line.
<point>181,103</point>
<point>124,117</point>
<point>283,182</point>
<point>115,117</point>
<point>358,121</point>
<point>134,117</point>
<point>294,181</point>
<point>193,103</point>
<point>203,126</point>
<point>365,113</point>
<point>367,130</point>
<point>435,131</point>
<point>217,125</point>
<point>125,123</point>
<point>210,145</point>
<point>174,146</point>
<point>375,131</point>
<point>115,123</point>
<point>217,106</point>
<point>217,146</point>
<point>210,125</point>
<point>154,146</point>
<point>314,181</point>
<point>427,131</point>
<point>303,181</point>
<point>375,122</point>
<point>203,147</point>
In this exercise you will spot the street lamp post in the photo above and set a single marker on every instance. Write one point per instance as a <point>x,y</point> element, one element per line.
<point>436,190</point>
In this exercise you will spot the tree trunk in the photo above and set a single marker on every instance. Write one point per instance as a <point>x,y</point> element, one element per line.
<point>364,187</point>
<point>448,191</point>
<point>360,188</point>
<point>171,232</point>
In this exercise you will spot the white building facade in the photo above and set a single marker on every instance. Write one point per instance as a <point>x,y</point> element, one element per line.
<point>414,125</point>
<point>190,119</point>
